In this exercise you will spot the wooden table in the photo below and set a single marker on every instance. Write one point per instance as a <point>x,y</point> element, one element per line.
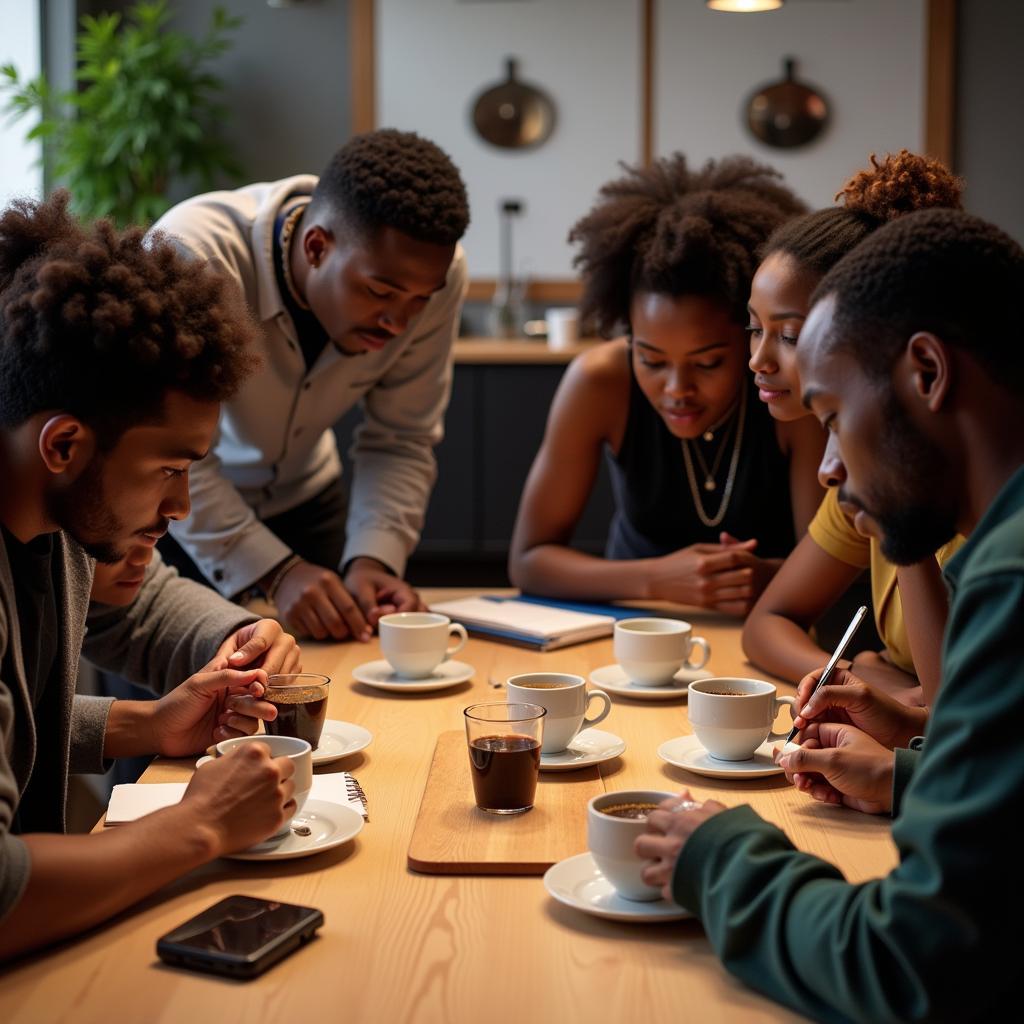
<point>399,946</point>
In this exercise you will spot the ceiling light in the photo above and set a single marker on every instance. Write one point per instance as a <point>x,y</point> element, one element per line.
<point>744,6</point>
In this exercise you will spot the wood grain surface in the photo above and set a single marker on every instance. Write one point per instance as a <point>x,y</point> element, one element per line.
<point>453,836</point>
<point>402,946</point>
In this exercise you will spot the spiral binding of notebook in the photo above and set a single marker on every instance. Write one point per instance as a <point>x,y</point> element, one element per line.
<point>357,793</point>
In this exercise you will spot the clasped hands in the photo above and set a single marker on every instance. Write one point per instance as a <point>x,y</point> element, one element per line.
<point>317,602</point>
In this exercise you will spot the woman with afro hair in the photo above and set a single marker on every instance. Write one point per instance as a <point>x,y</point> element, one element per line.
<point>910,602</point>
<point>711,492</point>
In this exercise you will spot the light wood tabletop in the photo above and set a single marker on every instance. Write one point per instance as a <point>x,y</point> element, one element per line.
<point>401,946</point>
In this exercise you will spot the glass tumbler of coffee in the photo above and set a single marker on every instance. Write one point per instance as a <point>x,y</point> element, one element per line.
<point>504,754</point>
<point>301,702</point>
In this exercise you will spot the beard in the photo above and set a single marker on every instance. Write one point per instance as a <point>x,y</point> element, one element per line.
<point>908,507</point>
<point>81,511</point>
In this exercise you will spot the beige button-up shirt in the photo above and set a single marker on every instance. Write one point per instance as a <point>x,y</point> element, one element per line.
<point>275,447</point>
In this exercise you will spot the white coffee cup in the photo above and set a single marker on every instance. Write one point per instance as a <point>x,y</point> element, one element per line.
<point>566,699</point>
<point>299,752</point>
<point>415,643</point>
<point>733,717</point>
<point>652,651</point>
<point>611,841</point>
<point>563,327</point>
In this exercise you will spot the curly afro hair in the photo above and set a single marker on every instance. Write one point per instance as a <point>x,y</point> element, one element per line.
<point>399,180</point>
<point>673,231</point>
<point>942,271</point>
<point>101,324</point>
<point>899,184</point>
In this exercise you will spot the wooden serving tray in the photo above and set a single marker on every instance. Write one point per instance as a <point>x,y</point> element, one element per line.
<point>452,836</point>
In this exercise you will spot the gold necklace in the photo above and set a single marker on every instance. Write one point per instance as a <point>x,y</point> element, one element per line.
<point>730,479</point>
<point>710,474</point>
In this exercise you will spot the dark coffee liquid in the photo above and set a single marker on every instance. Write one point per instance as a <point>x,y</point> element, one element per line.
<point>725,693</point>
<point>504,771</point>
<point>637,811</point>
<point>300,713</point>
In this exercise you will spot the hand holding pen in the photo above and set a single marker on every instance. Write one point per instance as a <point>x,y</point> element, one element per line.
<point>826,675</point>
<point>848,700</point>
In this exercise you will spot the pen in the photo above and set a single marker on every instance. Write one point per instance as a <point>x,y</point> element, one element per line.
<point>858,618</point>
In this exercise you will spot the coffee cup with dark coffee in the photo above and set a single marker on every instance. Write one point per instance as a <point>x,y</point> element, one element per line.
<point>301,702</point>
<point>732,717</point>
<point>614,821</point>
<point>567,700</point>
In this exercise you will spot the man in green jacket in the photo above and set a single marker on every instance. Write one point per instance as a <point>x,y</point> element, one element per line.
<point>911,360</point>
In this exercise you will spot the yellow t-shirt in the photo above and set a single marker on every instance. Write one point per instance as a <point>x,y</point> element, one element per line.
<point>833,531</point>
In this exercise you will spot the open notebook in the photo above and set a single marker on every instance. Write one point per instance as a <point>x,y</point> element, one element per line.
<point>528,623</point>
<point>129,802</point>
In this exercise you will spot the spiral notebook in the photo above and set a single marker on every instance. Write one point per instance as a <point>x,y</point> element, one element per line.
<point>129,802</point>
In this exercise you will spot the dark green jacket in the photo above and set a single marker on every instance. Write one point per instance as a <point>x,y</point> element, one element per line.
<point>940,938</point>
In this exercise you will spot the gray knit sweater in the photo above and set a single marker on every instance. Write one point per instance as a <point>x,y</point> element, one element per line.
<point>173,627</point>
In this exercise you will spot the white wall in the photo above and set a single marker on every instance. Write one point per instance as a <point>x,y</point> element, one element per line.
<point>20,175</point>
<point>434,56</point>
<point>866,56</point>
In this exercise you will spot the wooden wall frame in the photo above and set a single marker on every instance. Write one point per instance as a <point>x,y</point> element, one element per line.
<point>940,81</point>
<point>940,102</point>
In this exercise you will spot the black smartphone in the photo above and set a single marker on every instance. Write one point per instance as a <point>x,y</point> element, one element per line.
<point>241,936</point>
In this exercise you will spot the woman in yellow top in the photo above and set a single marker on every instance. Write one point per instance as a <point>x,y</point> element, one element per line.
<point>910,602</point>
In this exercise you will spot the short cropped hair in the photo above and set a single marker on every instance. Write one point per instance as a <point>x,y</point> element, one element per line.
<point>102,323</point>
<point>399,180</point>
<point>943,271</point>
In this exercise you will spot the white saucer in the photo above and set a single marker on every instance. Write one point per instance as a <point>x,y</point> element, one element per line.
<point>686,752</point>
<point>591,746</point>
<point>338,740</point>
<point>577,882</point>
<point>614,679</point>
<point>381,675</point>
<point>332,824</point>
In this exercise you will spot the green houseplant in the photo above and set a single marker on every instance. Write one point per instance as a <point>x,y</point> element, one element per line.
<point>145,111</point>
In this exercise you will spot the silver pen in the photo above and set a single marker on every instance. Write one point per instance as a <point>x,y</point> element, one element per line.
<point>858,618</point>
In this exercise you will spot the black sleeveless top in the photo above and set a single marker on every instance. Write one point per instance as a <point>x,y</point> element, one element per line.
<point>655,511</point>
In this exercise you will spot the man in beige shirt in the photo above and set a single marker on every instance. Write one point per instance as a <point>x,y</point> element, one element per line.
<point>356,280</point>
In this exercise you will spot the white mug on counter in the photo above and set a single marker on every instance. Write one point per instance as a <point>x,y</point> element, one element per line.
<point>566,699</point>
<point>563,327</point>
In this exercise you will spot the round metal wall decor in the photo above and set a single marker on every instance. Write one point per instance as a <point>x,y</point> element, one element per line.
<point>513,114</point>
<point>789,113</point>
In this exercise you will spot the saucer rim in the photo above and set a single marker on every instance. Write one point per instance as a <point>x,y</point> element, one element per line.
<point>718,773</point>
<point>331,758</point>
<point>326,759</point>
<point>669,691</point>
<point>627,916</point>
<point>328,844</point>
<point>579,765</point>
<point>396,684</point>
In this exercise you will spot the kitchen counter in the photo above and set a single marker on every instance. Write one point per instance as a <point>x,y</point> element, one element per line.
<point>477,351</point>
